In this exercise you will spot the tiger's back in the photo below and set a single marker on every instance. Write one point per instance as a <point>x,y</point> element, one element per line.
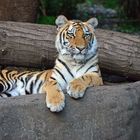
<point>14,83</point>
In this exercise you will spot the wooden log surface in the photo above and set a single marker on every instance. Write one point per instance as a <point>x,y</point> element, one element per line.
<point>32,45</point>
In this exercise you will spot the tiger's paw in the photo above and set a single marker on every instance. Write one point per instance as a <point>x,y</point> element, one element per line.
<point>55,101</point>
<point>76,89</point>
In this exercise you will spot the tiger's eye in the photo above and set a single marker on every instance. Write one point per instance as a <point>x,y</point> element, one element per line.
<point>65,43</point>
<point>87,35</point>
<point>70,34</point>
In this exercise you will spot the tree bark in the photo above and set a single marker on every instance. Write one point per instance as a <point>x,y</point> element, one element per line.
<point>32,45</point>
<point>119,53</point>
<point>19,10</point>
<point>131,8</point>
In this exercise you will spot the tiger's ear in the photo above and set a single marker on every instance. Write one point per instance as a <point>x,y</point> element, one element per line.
<point>93,22</point>
<point>60,21</point>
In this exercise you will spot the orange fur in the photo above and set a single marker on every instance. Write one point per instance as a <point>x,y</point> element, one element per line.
<point>54,96</point>
<point>80,84</point>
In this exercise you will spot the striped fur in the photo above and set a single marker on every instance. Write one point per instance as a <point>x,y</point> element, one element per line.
<point>76,67</point>
<point>14,83</point>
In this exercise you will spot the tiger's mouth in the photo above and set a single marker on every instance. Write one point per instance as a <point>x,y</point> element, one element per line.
<point>79,58</point>
<point>78,51</point>
<point>74,52</point>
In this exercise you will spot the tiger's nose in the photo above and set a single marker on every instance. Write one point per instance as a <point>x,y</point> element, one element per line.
<point>80,48</point>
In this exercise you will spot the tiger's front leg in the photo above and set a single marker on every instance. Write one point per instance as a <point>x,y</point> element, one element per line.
<point>78,86</point>
<point>55,98</point>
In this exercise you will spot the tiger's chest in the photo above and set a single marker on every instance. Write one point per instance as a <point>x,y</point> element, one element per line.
<point>64,74</point>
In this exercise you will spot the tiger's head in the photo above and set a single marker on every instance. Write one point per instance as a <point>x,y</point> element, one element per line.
<point>75,40</point>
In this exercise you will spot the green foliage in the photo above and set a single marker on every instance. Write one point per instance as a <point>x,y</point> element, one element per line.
<point>111,4</point>
<point>90,2</point>
<point>108,3</point>
<point>129,28</point>
<point>56,7</point>
<point>46,20</point>
<point>50,9</point>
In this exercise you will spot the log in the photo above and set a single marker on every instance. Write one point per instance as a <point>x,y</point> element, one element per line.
<point>119,53</point>
<point>32,45</point>
<point>27,45</point>
<point>105,113</point>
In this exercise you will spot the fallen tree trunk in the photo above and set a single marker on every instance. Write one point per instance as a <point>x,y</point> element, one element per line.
<point>105,113</point>
<point>119,53</point>
<point>27,45</point>
<point>31,45</point>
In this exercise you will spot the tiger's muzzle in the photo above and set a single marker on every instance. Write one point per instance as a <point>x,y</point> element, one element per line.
<point>79,50</point>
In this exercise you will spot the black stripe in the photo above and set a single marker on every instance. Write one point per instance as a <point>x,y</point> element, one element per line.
<point>3,84</point>
<point>7,94</point>
<point>5,80</point>
<point>66,67</point>
<point>23,73</point>
<point>61,75</point>
<point>80,68</point>
<point>21,79</point>
<point>26,80</point>
<point>27,92</point>
<point>8,80</point>
<point>63,41</point>
<point>45,78</point>
<point>11,78</point>
<point>54,83</point>
<point>63,34</point>
<point>8,75</point>
<point>1,88</point>
<point>83,78</point>
<point>60,37</point>
<point>39,86</point>
<point>22,82</point>
<point>1,75</point>
<point>91,67</point>
<point>31,87</point>
<point>91,58</point>
<point>52,78</point>
<point>28,77</point>
<point>38,76</point>
<point>7,85</point>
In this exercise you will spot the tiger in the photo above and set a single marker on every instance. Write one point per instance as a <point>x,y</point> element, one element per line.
<point>76,67</point>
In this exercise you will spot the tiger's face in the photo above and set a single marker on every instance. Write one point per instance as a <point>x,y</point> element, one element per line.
<point>75,39</point>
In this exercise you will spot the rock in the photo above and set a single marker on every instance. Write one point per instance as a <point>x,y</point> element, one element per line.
<point>105,113</point>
